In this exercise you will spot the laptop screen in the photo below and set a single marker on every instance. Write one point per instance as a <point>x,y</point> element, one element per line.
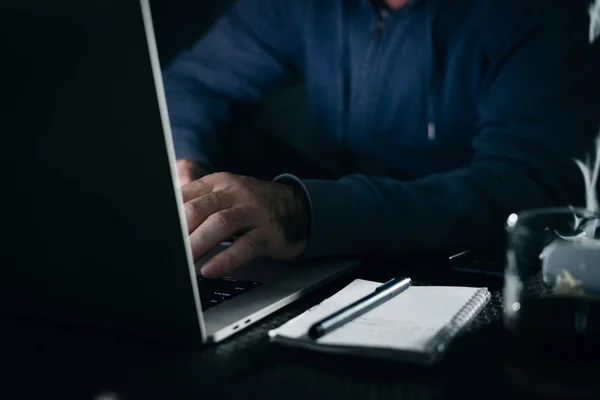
<point>90,205</point>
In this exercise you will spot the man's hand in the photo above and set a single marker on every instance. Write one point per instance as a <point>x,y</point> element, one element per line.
<point>189,171</point>
<point>267,219</point>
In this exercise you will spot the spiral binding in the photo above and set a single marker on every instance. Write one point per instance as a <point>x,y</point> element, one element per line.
<point>437,346</point>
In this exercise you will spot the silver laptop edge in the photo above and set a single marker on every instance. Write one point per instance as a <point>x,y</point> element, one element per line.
<point>212,331</point>
<point>250,319</point>
<point>166,125</point>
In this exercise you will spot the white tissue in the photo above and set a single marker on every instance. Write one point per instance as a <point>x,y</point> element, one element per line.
<point>570,263</point>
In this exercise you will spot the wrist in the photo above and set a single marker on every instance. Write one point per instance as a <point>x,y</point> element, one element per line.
<point>190,170</point>
<point>296,221</point>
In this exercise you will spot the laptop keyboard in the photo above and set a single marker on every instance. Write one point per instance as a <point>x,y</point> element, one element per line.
<point>215,291</point>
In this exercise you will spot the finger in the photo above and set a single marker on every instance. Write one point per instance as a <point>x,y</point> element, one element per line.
<point>243,250</point>
<point>197,188</point>
<point>183,181</point>
<point>199,209</point>
<point>217,228</point>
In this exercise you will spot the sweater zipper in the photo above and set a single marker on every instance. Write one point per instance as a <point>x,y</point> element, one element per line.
<point>432,78</point>
<point>380,25</point>
<point>431,93</point>
<point>382,18</point>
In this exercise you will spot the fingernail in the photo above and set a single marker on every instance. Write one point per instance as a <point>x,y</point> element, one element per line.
<point>204,270</point>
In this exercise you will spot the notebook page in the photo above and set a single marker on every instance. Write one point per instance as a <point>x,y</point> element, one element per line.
<point>297,327</point>
<point>408,321</point>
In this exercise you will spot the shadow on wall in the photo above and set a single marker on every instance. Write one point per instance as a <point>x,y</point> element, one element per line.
<point>283,117</point>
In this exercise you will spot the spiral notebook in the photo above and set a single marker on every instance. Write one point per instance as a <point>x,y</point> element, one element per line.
<point>416,326</point>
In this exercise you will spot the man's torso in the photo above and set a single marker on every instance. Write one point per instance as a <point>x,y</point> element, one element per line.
<point>397,96</point>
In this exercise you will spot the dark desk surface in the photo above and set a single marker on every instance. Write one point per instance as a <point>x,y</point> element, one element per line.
<point>39,360</point>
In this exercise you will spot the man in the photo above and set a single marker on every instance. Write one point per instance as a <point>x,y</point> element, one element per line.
<point>449,115</point>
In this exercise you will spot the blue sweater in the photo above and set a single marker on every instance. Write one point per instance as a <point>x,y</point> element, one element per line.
<point>450,114</point>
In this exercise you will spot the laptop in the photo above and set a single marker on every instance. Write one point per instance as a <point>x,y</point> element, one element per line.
<point>95,234</point>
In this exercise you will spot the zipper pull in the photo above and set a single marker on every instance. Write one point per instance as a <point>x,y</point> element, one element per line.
<point>381,22</point>
<point>431,131</point>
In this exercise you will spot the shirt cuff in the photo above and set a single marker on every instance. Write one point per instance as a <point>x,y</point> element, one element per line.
<point>338,220</point>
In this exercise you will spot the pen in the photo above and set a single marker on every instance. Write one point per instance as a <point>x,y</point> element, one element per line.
<point>381,294</point>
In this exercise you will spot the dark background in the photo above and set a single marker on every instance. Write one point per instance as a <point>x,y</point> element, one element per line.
<point>179,23</point>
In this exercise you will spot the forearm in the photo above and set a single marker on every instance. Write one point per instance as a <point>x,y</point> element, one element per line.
<point>251,50</point>
<point>197,119</point>
<point>538,111</point>
<point>358,215</point>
